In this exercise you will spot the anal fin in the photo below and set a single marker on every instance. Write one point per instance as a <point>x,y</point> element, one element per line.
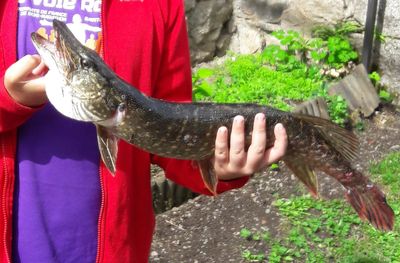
<point>207,173</point>
<point>305,174</point>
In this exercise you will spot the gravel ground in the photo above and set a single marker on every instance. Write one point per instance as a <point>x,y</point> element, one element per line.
<point>206,229</point>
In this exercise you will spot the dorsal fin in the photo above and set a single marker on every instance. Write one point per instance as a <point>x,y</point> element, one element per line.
<point>344,141</point>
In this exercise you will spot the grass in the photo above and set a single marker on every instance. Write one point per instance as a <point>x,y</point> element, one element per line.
<point>330,230</point>
<point>245,78</point>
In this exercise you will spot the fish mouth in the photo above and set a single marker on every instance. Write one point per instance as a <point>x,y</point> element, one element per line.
<point>64,51</point>
<point>42,43</point>
<point>46,49</point>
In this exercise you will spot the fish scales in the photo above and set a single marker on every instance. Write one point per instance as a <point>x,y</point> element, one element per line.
<point>84,88</point>
<point>191,129</point>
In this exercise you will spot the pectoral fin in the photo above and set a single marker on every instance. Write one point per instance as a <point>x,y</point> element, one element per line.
<point>207,173</point>
<point>305,174</point>
<point>108,146</point>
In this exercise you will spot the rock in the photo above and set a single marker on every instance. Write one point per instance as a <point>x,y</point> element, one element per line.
<point>389,62</point>
<point>303,15</point>
<point>223,41</point>
<point>395,148</point>
<point>205,21</point>
<point>189,5</point>
<point>263,11</point>
<point>247,40</point>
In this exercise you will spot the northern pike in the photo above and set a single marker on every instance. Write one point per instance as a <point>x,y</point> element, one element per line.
<point>81,86</point>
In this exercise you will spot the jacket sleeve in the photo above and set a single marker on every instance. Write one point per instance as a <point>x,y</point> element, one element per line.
<point>175,84</point>
<point>12,114</point>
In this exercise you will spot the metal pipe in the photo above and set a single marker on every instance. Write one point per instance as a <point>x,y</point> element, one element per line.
<point>369,34</point>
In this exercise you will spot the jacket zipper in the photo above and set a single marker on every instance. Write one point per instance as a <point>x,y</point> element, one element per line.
<point>100,222</point>
<point>4,203</point>
<point>101,219</point>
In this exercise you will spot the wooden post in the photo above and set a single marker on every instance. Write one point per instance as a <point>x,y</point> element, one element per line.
<point>369,34</point>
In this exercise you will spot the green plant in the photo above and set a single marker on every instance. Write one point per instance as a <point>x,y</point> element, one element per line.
<point>382,38</point>
<point>342,29</point>
<point>247,255</point>
<point>360,126</point>
<point>385,96</point>
<point>245,78</point>
<point>387,171</point>
<point>340,52</point>
<point>318,51</point>
<point>274,166</point>
<point>375,77</point>
<point>338,109</point>
<point>336,50</point>
<point>266,237</point>
<point>345,28</point>
<point>201,88</point>
<point>294,42</point>
<point>334,42</point>
<point>274,54</point>
<point>245,233</point>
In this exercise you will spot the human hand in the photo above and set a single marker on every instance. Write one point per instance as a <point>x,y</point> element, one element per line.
<point>24,82</point>
<point>234,162</point>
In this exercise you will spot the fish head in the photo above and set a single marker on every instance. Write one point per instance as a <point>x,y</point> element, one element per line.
<point>78,80</point>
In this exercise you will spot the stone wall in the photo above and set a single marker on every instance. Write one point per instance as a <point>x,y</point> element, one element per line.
<point>209,33</point>
<point>244,26</point>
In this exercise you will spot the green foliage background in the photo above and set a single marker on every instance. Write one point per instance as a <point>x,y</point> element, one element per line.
<point>281,76</point>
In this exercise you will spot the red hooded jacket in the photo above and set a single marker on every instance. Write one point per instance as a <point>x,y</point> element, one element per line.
<point>145,42</point>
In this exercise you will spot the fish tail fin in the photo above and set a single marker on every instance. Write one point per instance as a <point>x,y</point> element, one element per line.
<point>370,204</point>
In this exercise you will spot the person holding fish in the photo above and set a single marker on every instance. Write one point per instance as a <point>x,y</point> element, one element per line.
<point>59,202</point>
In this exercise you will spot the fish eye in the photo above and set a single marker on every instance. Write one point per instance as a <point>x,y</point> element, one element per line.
<point>85,63</point>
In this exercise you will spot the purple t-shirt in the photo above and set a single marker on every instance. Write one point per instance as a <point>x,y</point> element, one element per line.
<point>57,190</point>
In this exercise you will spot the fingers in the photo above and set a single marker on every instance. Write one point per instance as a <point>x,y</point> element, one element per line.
<point>22,69</point>
<point>40,69</point>
<point>230,158</point>
<point>237,154</point>
<point>256,151</point>
<point>279,149</point>
<point>233,162</point>
<point>221,148</point>
<point>36,85</point>
<point>24,82</point>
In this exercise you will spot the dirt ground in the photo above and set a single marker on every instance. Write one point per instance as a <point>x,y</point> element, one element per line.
<point>206,229</point>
